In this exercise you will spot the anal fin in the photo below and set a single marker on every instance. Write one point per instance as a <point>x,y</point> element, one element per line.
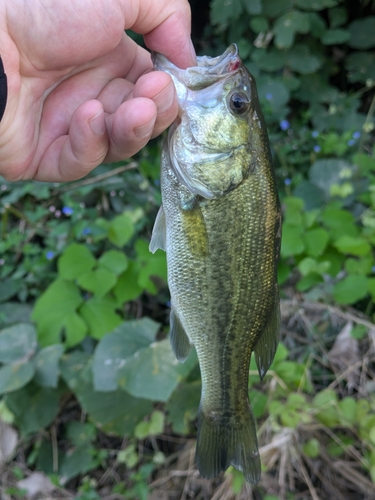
<point>179,340</point>
<point>267,344</point>
<point>158,238</point>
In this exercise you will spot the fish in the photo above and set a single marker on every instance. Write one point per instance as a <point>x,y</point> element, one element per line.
<point>220,226</point>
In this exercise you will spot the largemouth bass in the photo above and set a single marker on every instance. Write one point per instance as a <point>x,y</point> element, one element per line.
<point>220,226</point>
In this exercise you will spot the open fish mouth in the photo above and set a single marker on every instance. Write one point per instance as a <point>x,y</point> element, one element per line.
<point>208,69</point>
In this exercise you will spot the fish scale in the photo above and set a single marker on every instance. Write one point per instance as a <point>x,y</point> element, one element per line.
<point>220,227</point>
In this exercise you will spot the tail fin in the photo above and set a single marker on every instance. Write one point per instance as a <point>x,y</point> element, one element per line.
<point>223,442</point>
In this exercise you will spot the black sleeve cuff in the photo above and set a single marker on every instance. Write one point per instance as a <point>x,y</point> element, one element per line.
<point>3,89</point>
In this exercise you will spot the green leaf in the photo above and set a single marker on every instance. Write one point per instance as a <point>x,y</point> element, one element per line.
<point>114,261</point>
<point>9,287</point>
<point>34,407</point>
<point>182,406</point>
<point>312,196</point>
<point>339,222</point>
<point>258,402</point>
<point>274,91</point>
<point>223,11</point>
<point>116,411</point>
<point>326,173</point>
<point>76,260</point>
<point>309,281</point>
<point>54,308</point>
<point>98,281</point>
<point>153,427</point>
<point>77,461</point>
<point>100,316</point>
<point>14,312</point>
<point>326,404</point>
<point>362,33</point>
<point>348,409</point>
<point>259,24</point>
<point>127,287</point>
<point>291,241</point>
<point>121,229</point>
<point>151,265</point>
<point>287,25</point>
<point>269,60</point>
<point>47,365</point>
<point>80,433</point>
<point>361,67</point>
<point>315,4</point>
<point>354,245</point>
<point>311,448</point>
<point>153,373</point>
<point>253,7</point>
<point>15,376</point>
<point>113,350</point>
<point>337,16</point>
<point>17,342</point>
<point>272,8</point>
<point>75,330</point>
<point>315,241</point>
<point>300,59</point>
<point>350,289</point>
<point>335,37</point>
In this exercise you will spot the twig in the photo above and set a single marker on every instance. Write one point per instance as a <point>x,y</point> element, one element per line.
<point>55,449</point>
<point>93,180</point>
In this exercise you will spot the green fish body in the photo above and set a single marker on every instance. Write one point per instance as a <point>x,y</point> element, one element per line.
<point>220,226</point>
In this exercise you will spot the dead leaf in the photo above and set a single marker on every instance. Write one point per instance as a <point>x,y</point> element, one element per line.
<point>36,483</point>
<point>344,355</point>
<point>8,441</point>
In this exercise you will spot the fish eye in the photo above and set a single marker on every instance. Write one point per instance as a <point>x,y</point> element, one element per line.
<point>239,103</point>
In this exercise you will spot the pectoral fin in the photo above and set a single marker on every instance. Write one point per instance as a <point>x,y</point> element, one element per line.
<point>179,340</point>
<point>267,344</point>
<point>158,238</point>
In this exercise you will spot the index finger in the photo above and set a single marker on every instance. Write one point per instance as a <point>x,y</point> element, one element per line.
<point>166,26</point>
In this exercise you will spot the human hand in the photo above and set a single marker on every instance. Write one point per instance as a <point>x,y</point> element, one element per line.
<point>80,91</point>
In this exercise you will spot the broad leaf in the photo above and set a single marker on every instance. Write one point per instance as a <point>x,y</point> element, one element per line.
<point>15,376</point>
<point>350,289</point>
<point>113,350</point>
<point>114,261</point>
<point>47,365</point>
<point>100,316</point>
<point>116,411</point>
<point>54,308</point>
<point>98,281</point>
<point>153,372</point>
<point>121,229</point>
<point>34,407</point>
<point>76,260</point>
<point>17,342</point>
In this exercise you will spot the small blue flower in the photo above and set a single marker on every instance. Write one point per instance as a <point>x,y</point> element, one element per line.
<point>287,181</point>
<point>317,148</point>
<point>157,182</point>
<point>269,96</point>
<point>50,255</point>
<point>67,210</point>
<point>351,142</point>
<point>373,269</point>
<point>356,135</point>
<point>284,124</point>
<point>168,303</point>
<point>86,231</point>
<point>315,134</point>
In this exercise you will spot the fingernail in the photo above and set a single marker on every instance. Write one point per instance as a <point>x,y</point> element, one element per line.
<point>145,130</point>
<point>165,98</point>
<point>97,124</point>
<point>193,54</point>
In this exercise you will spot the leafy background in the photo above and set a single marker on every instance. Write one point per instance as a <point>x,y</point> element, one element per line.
<point>93,404</point>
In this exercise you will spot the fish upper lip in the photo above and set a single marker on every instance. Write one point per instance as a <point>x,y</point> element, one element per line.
<point>205,73</point>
